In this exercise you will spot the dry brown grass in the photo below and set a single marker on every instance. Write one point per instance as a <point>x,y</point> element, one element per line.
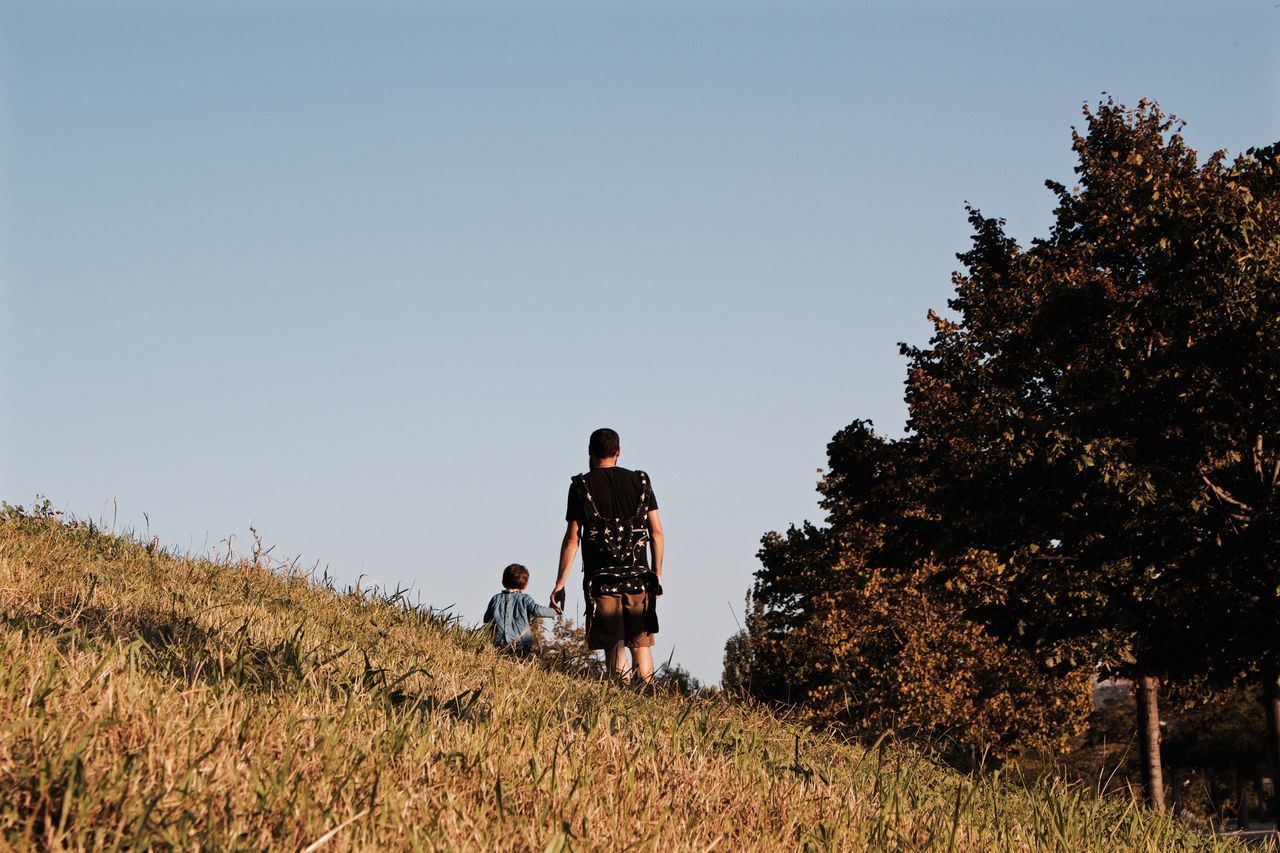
<point>153,701</point>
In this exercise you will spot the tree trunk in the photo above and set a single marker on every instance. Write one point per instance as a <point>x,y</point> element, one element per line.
<point>1242,801</point>
<point>1271,702</point>
<point>1147,695</point>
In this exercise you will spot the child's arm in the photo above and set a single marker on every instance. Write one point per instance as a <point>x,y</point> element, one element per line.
<point>488,612</point>
<point>539,611</point>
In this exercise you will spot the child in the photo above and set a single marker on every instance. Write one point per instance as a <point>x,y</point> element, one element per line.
<point>511,610</point>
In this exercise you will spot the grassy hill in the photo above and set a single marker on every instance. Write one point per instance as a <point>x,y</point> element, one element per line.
<point>151,700</point>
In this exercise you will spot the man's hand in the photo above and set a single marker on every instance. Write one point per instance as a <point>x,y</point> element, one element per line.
<point>568,549</point>
<point>657,544</point>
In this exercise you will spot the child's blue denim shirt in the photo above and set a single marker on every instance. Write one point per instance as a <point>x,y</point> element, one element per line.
<point>510,612</point>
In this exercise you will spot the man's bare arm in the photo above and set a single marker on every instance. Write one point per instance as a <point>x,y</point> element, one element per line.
<point>568,550</point>
<point>656,542</point>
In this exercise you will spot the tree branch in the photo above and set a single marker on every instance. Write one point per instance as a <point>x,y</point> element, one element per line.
<point>1225,496</point>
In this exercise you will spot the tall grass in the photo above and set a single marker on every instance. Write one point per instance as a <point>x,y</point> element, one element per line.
<point>151,700</point>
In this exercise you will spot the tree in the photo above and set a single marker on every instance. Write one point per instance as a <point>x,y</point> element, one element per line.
<point>1090,469</point>
<point>735,677</point>
<point>675,678</point>
<point>1222,736</point>
<point>1243,471</point>
<point>1091,389</point>
<point>861,624</point>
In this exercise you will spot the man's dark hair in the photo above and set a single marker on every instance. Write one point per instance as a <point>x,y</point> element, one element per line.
<point>604,444</point>
<point>515,576</point>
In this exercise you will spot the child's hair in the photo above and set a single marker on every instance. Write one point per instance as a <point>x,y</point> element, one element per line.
<point>515,576</point>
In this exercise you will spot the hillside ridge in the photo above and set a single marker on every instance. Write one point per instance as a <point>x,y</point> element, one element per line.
<point>152,699</point>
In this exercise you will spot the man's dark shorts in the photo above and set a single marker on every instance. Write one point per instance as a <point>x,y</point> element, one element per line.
<point>628,618</point>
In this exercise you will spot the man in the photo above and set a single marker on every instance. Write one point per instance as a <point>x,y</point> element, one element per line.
<point>613,513</point>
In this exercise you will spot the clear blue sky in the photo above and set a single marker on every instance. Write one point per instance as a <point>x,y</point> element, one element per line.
<point>366,275</point>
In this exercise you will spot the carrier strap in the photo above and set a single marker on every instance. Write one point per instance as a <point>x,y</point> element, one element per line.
<point>621,540</point>
<point>642,508</point>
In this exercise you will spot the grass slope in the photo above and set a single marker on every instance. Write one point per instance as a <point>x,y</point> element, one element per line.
<point>153,701</point>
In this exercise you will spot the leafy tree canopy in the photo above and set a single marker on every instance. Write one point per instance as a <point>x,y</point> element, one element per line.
<point>1089,472</point>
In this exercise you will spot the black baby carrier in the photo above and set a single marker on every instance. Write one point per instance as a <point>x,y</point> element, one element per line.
<point>620,543</point>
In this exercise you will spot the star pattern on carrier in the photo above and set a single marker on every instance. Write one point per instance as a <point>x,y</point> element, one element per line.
<point>623,542</point>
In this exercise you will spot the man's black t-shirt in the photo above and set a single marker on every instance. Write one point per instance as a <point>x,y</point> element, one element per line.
<point>616,493</point>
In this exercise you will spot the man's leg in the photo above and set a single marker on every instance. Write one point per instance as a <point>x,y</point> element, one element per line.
<point>618,659</point>
<point>642,663</point>
<point>605,631</point>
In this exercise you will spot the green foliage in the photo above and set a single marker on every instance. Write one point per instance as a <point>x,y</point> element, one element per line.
<point>1089,475</point>
<point>676,679</point>
<point>1211,740</point>
<point>1099,388</point>
<point>1222,732</point>
<point>867,628</point>
<point>735,678</point>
